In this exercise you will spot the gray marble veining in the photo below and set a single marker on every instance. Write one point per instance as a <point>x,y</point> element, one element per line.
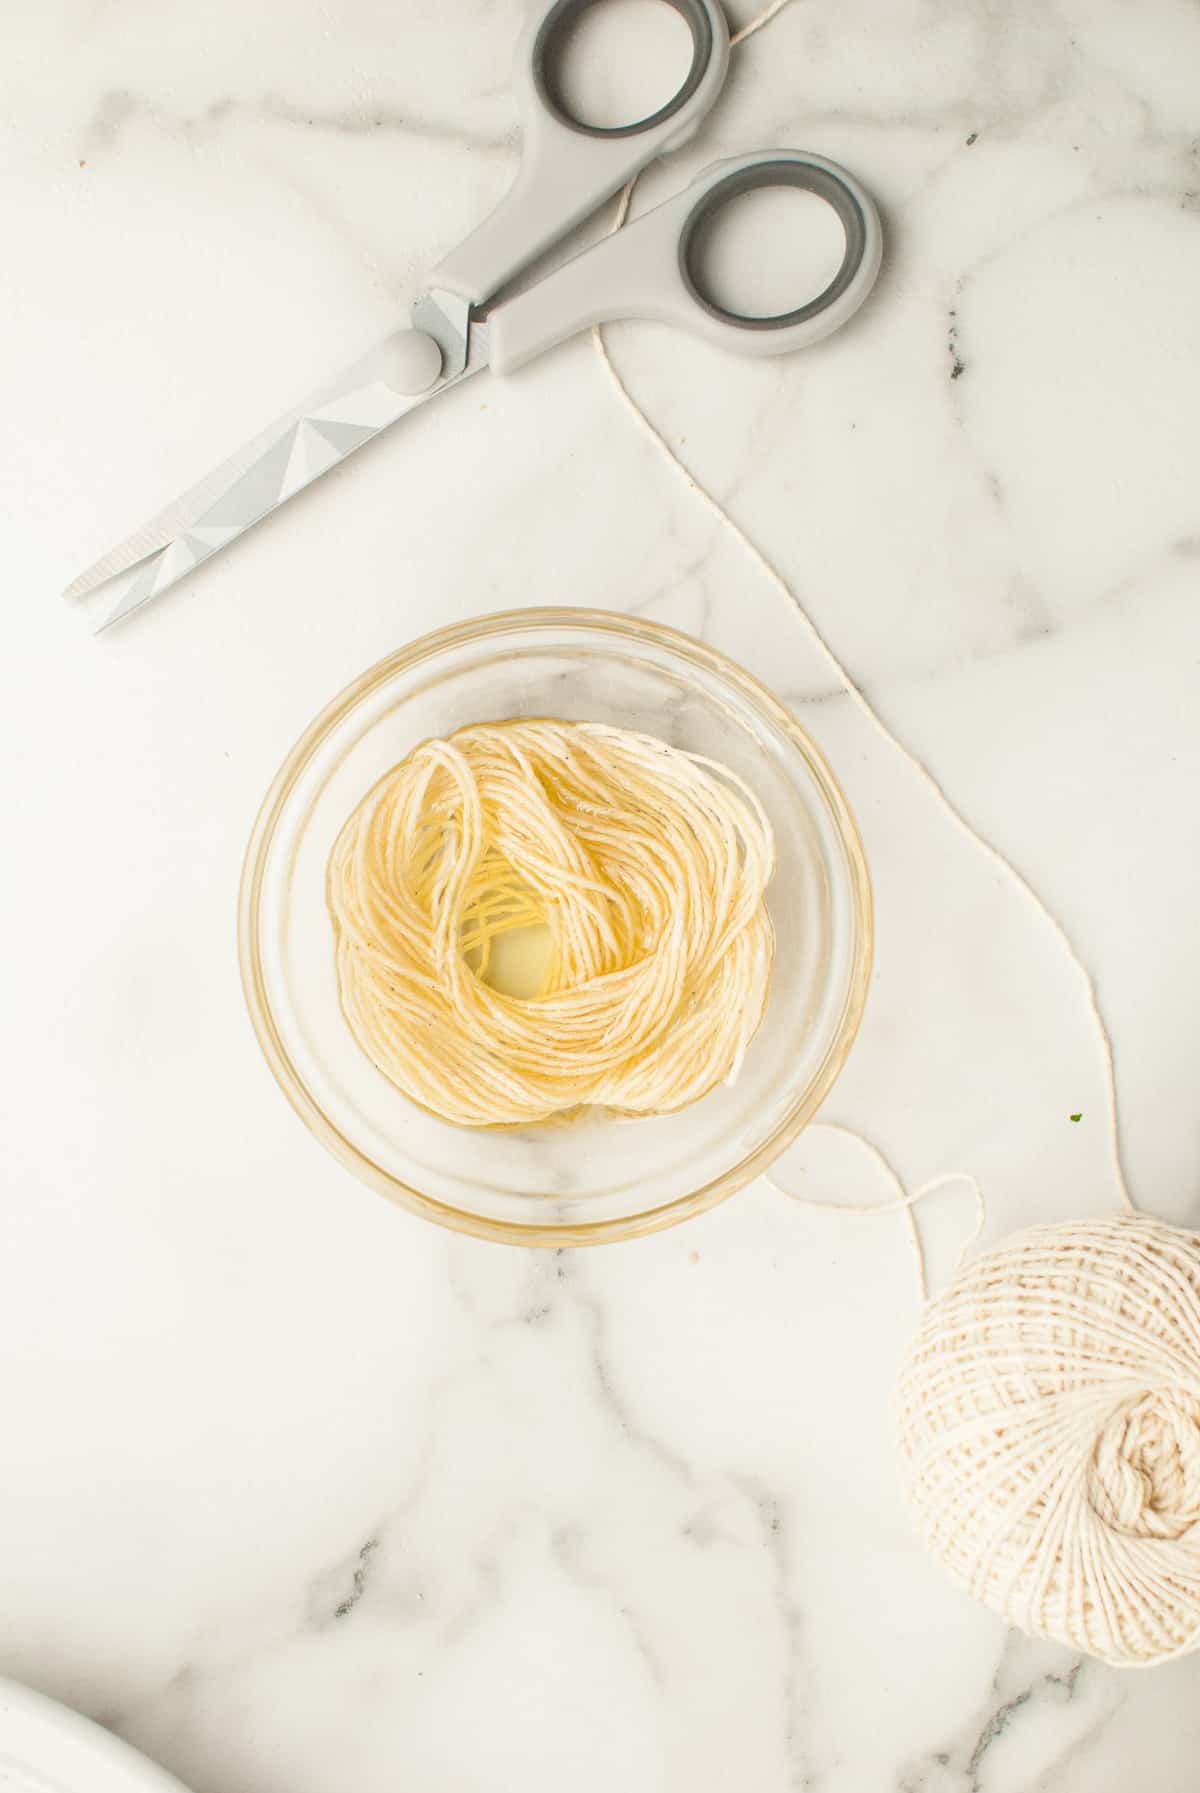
<point>300,1494</point>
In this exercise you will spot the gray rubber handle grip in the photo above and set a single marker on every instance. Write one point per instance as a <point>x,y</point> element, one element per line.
<point>649,269</point>
<point>567,168</point>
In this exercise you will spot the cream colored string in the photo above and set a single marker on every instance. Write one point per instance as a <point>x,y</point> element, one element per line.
<point>1047,1420</point>
<point>904,1202</point>
<point>647,867</point>
<point>758,21</point>
<point>856,696</point>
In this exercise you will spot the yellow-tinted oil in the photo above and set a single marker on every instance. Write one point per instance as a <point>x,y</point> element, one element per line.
<point>519,959</point>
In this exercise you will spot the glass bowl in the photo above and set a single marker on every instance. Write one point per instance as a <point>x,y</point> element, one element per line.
<point>597,1176</point>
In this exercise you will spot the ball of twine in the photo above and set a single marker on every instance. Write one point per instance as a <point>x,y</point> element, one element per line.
<point>1049,1429</point>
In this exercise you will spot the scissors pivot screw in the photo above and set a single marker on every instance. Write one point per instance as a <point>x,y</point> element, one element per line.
<point>416,362</point>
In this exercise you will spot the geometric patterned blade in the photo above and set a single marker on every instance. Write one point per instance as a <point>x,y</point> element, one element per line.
<point>255,491</point>
<point>271,468</point>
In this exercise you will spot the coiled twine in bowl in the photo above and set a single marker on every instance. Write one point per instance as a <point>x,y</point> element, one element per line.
<point>647,866</point>
<point>1049,1431</point>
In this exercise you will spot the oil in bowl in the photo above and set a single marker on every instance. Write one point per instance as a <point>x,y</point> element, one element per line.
<point>605,1176</point>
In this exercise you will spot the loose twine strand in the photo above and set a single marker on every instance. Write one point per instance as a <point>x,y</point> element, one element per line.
<point>904,1203</point>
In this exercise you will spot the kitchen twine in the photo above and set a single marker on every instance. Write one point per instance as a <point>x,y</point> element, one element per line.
<point>1048,1410</point>
<point>649,865</point>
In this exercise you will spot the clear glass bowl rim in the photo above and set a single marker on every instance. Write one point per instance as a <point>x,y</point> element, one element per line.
<point>496,626</point>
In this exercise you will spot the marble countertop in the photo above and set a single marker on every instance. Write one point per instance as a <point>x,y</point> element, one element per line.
<point>300,1494</point>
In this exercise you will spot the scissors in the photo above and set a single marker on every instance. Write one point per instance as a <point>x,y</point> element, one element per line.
<point>465,321</point>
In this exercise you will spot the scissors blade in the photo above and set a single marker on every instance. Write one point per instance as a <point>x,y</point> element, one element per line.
<point>307,441</point>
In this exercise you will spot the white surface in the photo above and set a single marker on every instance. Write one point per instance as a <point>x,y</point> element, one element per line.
<point>299,1494</point>
<point>47,1748</point>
